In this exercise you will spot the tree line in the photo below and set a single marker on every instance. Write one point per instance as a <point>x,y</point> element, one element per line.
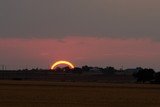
<point>142,75</point>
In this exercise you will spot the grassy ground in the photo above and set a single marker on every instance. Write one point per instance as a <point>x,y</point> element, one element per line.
<point>48,94</point>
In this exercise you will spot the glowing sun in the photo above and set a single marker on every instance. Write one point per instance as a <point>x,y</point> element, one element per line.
<point>62,62</point>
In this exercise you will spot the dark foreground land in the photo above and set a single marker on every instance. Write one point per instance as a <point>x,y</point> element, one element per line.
<point>49,94</point>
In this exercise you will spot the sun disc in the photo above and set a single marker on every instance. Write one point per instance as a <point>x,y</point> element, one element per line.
<point>62,62</point>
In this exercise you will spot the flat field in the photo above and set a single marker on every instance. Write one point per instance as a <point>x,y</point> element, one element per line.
<point>50,94</point>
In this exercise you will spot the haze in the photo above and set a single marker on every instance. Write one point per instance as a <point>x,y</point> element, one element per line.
<point>92,32</point>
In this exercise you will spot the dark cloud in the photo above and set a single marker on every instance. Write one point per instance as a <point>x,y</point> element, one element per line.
<point>54,18</point>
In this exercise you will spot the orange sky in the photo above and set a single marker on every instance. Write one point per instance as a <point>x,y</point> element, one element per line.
<point>94,51</point>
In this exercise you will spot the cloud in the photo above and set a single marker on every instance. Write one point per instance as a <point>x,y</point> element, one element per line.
<point>58,18</point>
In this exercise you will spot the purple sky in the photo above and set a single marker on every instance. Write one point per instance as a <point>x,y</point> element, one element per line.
<point>35,33</point>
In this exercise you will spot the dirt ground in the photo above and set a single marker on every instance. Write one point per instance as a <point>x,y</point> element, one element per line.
<point>50,94</point>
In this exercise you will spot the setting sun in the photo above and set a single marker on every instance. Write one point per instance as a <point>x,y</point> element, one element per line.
<point>62,62</point>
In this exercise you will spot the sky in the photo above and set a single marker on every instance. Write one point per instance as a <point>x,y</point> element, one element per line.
<point>36,33</point>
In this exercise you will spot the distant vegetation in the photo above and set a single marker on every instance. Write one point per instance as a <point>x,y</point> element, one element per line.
<point>140,75</point>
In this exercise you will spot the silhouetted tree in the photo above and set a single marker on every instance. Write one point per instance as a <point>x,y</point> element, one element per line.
<point>86,68</point>
<point>66,69</point>
<point>109,70</point>
<point>77,70</point>
<point>58,69</point>
<point>144,75</point>
<point>157,78</point>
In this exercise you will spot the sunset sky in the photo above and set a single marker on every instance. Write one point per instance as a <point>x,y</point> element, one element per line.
<point>36,33</point>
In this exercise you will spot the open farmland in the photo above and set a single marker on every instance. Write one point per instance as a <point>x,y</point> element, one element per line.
<point>47,94</point>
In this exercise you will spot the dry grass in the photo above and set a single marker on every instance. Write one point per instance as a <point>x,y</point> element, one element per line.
<point>48,94</point>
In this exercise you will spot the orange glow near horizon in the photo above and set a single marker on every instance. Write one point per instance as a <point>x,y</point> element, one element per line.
<point>62,62</point>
